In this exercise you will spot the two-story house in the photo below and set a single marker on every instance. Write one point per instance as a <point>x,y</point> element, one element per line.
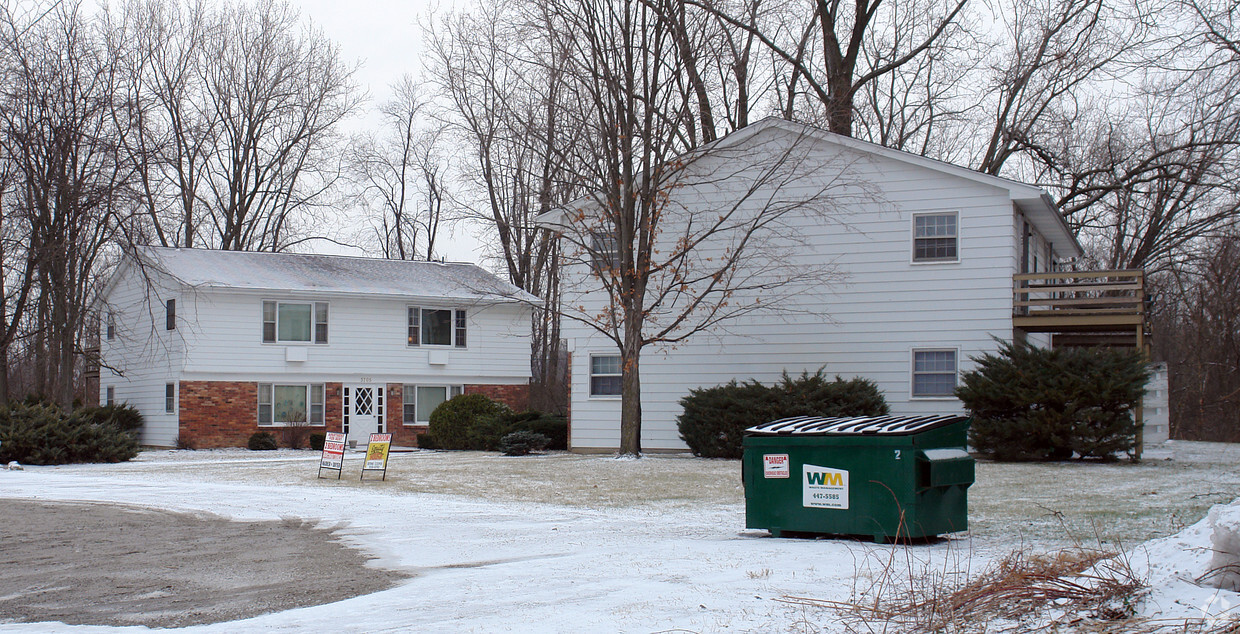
<point>933,262</point>
<point>212,346</point>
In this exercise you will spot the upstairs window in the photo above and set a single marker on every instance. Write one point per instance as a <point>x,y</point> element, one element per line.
<point>604,251</point>
<point>437,327</point>
<point>111,326</point>
<point>605,375</point>
<point>170,316</point>
<point>935,238</point>
<point>296,322</point>
<point>934,373</point>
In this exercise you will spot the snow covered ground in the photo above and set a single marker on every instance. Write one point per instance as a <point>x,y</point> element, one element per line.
<point>588,543</point>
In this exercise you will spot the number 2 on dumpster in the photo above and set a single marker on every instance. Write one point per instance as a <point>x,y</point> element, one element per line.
<point>897,454</point>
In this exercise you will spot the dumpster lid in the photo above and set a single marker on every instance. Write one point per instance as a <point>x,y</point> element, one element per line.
<point>854,425</point>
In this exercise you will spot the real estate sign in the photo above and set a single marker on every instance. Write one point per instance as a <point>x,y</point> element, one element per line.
<point>333,453</point>
<point>377,454</point>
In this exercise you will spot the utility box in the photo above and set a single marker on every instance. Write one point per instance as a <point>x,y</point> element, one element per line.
<point>886,477</point>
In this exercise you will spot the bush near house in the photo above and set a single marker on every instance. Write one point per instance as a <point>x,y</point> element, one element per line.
<point>714,420</point>
<point>317,441</point>
<point>1034,404</point>
<point>521,443</point>
<point>44,434</point>
<point>450,423</point>
<point>262,441</point>
<point>487,433</point>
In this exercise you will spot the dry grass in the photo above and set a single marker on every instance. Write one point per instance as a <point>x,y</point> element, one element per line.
<point>1075,589</point>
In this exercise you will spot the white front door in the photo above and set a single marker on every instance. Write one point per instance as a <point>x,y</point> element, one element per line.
<point>363,411</point>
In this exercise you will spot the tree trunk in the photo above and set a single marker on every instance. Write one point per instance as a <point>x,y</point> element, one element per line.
<point>631,389</point>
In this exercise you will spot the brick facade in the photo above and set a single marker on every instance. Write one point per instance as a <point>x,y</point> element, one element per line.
<point>225,413</point>
<point>515,396</point>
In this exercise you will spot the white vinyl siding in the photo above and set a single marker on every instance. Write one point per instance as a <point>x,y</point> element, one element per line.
<point>420,400</point>
<point>934,373</point>
<point>884,305</point>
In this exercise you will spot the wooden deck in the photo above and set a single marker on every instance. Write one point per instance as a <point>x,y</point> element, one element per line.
<point>1083,307</point>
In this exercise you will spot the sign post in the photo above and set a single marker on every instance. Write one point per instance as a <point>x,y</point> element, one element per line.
<point>377,454</point>
<point>333,454</point>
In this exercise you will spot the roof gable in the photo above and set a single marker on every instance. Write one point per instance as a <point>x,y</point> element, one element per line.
<point>1033,201</point>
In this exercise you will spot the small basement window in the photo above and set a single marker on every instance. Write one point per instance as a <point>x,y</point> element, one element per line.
<point>934,373</point>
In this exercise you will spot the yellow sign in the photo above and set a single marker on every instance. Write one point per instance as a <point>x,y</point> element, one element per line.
<point>377,454</point>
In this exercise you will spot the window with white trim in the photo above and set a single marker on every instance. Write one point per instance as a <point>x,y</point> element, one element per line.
<point>604,251</point>
<point>935,238</point>
<point>934,373</point>
<point>111,326</point>
<point>605,374</point>
<point>110,398</point>
<point>436,327</point>
<point>170,398</point>
<point>281,405</point>
<point>294,322</point>
<point>420,400</point>
<point>170,315</point>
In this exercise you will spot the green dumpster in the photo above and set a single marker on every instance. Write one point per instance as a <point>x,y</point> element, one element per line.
<point>886,477</point>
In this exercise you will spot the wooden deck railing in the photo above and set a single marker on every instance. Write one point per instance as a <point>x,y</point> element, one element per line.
<point>1079,300</point>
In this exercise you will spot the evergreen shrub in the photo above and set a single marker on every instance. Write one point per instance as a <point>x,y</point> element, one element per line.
<point>426,442</point>
<point>1031,403</point>
<point>317,441</point>
<point>714,419</point>
<point>43,434</point>
<point>553,426</point>
<point>450,422</point>
<point>261,441</point>
<point>521,443</point>
<point>486,432</point>
<point>121,416</point>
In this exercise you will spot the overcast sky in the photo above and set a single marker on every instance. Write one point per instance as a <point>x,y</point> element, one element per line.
<point>385,37</point>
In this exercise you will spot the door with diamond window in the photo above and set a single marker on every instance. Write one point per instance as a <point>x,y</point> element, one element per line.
<point>363,411</point>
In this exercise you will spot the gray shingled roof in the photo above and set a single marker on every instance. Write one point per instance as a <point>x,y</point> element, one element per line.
<point>206,268</point>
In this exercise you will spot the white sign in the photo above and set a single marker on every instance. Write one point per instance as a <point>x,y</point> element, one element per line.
<point>824,488</point>
<point>333,451</point>
<point>775,465</point>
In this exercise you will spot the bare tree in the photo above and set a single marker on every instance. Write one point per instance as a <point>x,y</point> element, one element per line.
<point>826,49</point>
<point>657,254</point>
<point>399,174</point>
<point>1198,334</point>
<point>502,72</point>
<point>61,126</point>
<point>276,91</point>
<point>163,46</point>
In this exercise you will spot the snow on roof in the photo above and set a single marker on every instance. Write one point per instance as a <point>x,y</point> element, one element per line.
<point>206,268</point>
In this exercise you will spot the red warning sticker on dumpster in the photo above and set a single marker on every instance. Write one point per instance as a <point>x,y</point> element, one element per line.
<point>775,465</point>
